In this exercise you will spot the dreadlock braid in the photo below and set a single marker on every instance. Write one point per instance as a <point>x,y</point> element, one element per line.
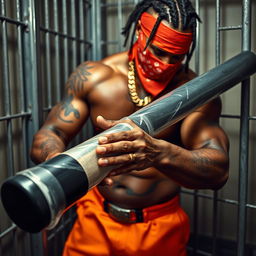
<point>180,13</point>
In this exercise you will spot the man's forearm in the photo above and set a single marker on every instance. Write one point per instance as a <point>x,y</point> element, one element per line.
<point>46,144</point>
<point>204,168</point>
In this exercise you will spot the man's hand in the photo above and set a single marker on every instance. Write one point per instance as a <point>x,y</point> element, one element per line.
<point>132,150</point>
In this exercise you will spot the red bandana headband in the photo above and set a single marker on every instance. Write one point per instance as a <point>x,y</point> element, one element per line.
<point>166,38</point>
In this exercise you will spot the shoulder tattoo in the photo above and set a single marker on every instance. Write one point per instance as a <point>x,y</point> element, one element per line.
<point>76,81</point>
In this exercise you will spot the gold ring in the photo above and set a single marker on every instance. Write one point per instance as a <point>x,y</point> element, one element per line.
<point>132,156</point>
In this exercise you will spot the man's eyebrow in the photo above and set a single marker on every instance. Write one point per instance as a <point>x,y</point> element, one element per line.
<point>163,51</point>
<point>159,49</point>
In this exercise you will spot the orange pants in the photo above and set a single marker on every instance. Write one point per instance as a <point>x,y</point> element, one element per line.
<point>165,231</point>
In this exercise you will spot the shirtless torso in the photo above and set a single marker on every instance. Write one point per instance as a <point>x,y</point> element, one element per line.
<point>137,189</point>
<point>100,88</point>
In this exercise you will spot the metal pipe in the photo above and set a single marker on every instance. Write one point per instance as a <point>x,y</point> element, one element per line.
<point>244,134</point>
<point>74,34</point>
<point>195,197</point>
<point>81,29</point>
<point>120,25</point>
<point>48,56</point>
<point>22,82</point>
<point>217,62</point>
<point>217,41</point>
<point>57,52</point>
<point>53,186</point>
<point>7,91</point>
<point>64,35</point>
<point>12,21</point>
<point>65,40</point>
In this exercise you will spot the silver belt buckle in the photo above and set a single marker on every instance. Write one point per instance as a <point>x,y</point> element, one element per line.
<point>121,214</point>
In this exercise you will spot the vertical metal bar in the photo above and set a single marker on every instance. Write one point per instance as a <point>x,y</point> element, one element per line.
<point>73,25</point>
<point>22,84</point>
<point>65,40</point>
<point>81,28</point>
<point>195,196</point>
<point>96,37</point>
<point>120,24</point>
<point>57,51</point>
<point>214,223</point>
<point>48,56</point>
<point>82,36</point>
<point>195,222</point>
<point>197,49</point>
<point>244,133</point>
<point>247,7</point>
<point>217,52</point>
<point>89,28</point>
<point>31,81</point>
<point>7,93</point>
<point>215,196</point>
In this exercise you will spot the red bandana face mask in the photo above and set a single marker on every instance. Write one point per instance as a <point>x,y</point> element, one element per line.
<point>154,74</point>
<point>151,66</point>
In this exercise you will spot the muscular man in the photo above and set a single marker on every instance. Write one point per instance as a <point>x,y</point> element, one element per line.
<point>137,211</point>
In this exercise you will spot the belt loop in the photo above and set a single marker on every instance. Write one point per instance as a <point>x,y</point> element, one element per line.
<point>105,205</point>
<point>139,215</point>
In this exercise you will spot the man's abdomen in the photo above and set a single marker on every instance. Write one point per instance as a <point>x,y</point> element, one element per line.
<point>140,189</point>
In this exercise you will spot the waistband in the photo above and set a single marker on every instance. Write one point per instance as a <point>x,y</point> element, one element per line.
<point>139,215</point>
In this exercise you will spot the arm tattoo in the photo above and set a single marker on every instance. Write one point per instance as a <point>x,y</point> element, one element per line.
<point>203,159</point>
<point>77,79</point>
<point>68,109</point>
<point>48,146</point>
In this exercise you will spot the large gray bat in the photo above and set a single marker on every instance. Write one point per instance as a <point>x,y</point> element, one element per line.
<point>37,197</point>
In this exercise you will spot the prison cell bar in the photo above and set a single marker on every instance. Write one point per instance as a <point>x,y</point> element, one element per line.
<point>244,133</point>
<point>195,192</point>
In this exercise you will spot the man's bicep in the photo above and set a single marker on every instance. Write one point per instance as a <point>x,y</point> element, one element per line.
<point>201,130</point>
<point>67,117</point>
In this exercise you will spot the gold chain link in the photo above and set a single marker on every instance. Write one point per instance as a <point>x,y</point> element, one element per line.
<point>132,88</point>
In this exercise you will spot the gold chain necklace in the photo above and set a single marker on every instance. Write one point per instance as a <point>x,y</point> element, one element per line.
<point>132,88</point>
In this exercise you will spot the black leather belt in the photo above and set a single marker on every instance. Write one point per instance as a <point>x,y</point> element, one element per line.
<point>123,215</point>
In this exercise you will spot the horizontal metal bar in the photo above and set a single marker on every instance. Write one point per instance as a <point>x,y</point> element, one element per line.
<point>236,116</point>
<point>229,201</point>
<point>230,116</point>
<point>8,117</point>
<point>252,206</point>
<point>51,31</point>
<point>103,5</point>
<point>87,2</point>
<point>108,42</point>
<point>12,21</point>
<point>199,252</point>
<point>11,228</point>
<point>230,28</point>
<point>47,109</point>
